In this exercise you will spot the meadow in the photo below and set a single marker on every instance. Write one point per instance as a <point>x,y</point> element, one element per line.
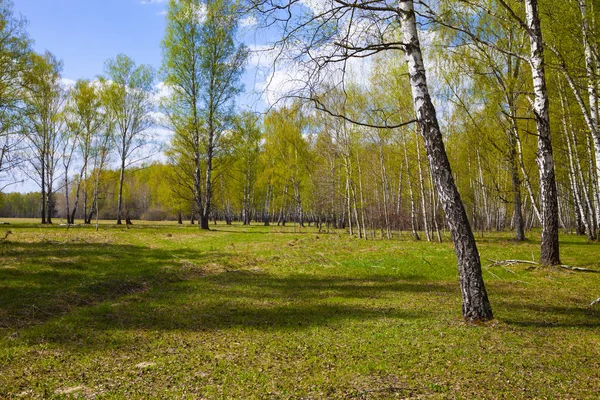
<point>253,312</point>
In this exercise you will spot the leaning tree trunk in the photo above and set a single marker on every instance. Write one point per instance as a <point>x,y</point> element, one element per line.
<point>476,306</point>
<point>549,246</point>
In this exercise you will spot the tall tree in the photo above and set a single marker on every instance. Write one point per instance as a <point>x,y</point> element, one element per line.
<point>333,32</point>
<point>128,93</point>
<point>85,119</point>
<point>247,137</point>
<point>203,65</point>
<point>14,55</point>
<point>549,247</point>
<point>44,102</point>
<point>475,302</point>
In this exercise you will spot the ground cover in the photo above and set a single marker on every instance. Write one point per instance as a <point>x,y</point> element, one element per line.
<point>167,311</point>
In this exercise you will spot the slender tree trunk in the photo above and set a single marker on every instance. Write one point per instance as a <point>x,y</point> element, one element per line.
<point>591,68</point>
<point>205,212</point>
<point>487,214</point>
<point>385,188</point>
<point>476,306</point>
<point>362,201</point>
<point>82,180</point>
<point>90,215</point>
<point>527,181</point>
<point>434,206</point>
<point>43,187</point>
<point>67,209</point>
<point>120,200</point>
<point>549,254</point>
<point>413,213</point>
<point>574,174</point>
<point>423,196</point>
<point>513,135</point>
<point>50,204</point>
<point>266,211</point>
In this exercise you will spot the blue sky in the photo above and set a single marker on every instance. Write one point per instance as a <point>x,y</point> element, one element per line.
<point>84,33</point>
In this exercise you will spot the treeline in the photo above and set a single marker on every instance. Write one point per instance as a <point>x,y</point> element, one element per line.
<point>361,169</point>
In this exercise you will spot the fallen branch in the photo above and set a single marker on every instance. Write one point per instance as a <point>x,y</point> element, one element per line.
<point>593,303</point>
<point>503,263</point>
<point>597,271</point>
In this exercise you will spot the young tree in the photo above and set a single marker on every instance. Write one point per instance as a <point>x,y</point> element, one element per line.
<point>246,140</point>
<point>85,119</point>
<point>14,55</point>
<point>203,65</point>
<point>44,100</point>
<point>127,92</point>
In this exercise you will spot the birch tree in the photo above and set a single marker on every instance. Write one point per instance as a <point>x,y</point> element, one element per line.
<point>359,29</point>
<point>128,93</point>
<point>44,100</point>
<point>203,65</point>
<point>14,54</point>
<point>86,120</point>
<point>549,247</point>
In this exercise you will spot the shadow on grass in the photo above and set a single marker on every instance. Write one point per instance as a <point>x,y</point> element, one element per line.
<point>40,281</point>
<point>110,286</point>
<point>550,315</point>
<point>98,290</point>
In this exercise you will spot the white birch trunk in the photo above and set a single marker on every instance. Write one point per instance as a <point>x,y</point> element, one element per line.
<point>476,305</point>
<point>549,244</point>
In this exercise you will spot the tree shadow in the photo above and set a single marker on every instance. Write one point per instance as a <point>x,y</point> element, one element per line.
<point>536,315</point>
<point>106,287</point>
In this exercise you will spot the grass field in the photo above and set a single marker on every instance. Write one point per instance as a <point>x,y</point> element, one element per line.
<point>166,311</point>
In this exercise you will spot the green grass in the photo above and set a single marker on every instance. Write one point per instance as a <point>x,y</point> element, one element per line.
<point>166,311</point>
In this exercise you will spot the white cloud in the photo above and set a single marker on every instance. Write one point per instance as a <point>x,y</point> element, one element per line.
<point>317,6</point>
<point>262,55</point>
<point>248,22</point>
<point>163,91</point>
<point>67,83</point>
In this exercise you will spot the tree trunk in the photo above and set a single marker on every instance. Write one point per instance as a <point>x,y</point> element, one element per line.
<point>386,190</point>
<point>592,87</point>
<point>266,214</point>
<point>120,200</point>
<point>82,179</point>
<point>513,135</point>
<point>43,187</point>
<point>423,196</point>
<point>549,254</point>
<point>476,306</point>
<point>413,216</point>
<point>67,196</point>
